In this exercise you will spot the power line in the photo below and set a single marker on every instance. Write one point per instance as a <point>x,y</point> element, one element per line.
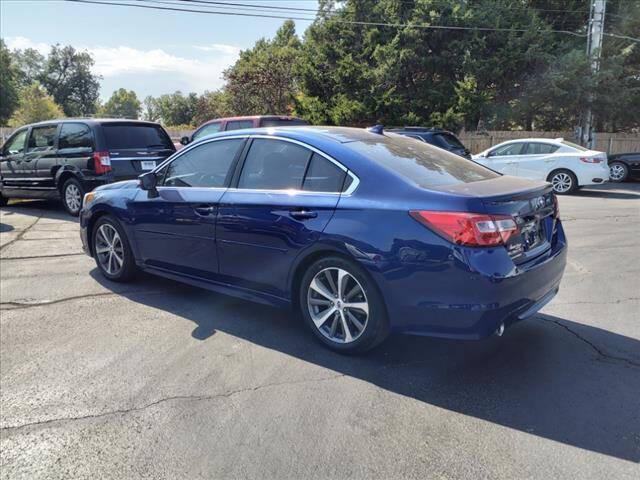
<point>349,22</point>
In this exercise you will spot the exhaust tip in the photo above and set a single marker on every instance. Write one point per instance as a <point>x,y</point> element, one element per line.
<point>500,330</point>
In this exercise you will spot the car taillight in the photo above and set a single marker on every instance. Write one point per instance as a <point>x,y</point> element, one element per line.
<point>590,159</point>
<point>470,229</point>
<point>101,162</point>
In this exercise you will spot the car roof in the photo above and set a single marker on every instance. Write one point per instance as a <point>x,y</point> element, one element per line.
<point>91,121</point>
<point>554,141</point>
<point>336,134</point>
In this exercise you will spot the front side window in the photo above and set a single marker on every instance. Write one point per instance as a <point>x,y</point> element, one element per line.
<point>207,130</point>
<point>541,148</point>
<point>274,165</point>
<point>15,144</point>
<point>42,138</point>
<point>205,165</point>
<point>239,124</point>
<point>75,135</point>
<point>511,149</point>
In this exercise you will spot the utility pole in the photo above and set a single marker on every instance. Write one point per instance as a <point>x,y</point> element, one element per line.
<point>594,47</point>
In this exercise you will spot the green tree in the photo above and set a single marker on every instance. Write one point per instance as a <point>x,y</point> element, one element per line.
<point>30,64</point>
<point>8,85</point>
<point>150,110</point>
<point>176,108</point>
<point>68,78</point>
<point>262,81</point>
<point>122,104</point>
<point>211,105</point>
<point>35,106</point>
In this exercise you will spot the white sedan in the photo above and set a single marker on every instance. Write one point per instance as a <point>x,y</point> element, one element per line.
<point>566,165</point>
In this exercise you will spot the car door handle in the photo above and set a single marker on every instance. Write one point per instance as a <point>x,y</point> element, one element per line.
<point>303,214</point>
<point>204,210</point>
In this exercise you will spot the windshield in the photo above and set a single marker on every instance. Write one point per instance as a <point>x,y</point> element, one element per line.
<point>131,136</point>
<point>573,145</point>
<point>420,163</point>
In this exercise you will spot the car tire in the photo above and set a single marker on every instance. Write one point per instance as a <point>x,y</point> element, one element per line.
<point>3,200</point>
<point>564,182</point>
<point>354,321</point>
<point>618,172</point>
<point>72,194</point>
<point>111,250</point>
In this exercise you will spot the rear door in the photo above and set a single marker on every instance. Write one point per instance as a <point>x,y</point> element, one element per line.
<point>239,124</point>
<point>285,195</point>
<point>176,230</point>
<point>11,161</point>
<point>41,156</point>
<point>537,160</point>
<point>75,147</point>
<point>135,147</point>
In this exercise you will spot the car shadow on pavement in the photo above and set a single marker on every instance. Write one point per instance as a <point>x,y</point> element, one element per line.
<point>39,208</point>
<point>548,376</point>
<point>619,191</point>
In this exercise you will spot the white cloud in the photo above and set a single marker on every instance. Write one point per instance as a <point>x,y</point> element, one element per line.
<point>160,69</point>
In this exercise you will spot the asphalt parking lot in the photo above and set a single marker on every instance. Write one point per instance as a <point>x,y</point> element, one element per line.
<point>159,380</point>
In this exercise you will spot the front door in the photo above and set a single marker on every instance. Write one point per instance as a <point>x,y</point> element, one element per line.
<point>285,196</point>
<point>11,165</point>
<point>41,157</point>
<point>504,159</point>
<point>176,230</point>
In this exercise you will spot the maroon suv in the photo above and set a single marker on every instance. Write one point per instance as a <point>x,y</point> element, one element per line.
<point>236,123</point>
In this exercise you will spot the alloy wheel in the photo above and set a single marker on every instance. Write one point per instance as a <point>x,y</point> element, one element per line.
<point>562,182</point>
<point>617,172</point>
<point>73,197</point>
<point>109,249</point>
<point>338,305</point>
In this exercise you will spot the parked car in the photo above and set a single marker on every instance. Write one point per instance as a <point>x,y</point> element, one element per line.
<point>437,137</point>
<point>66,158</point>
<point>237,123</point>
<point>624,166</point>
<point>566,165</point>
<point>363,233</point>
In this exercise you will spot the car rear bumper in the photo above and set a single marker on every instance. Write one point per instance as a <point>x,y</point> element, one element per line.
<point>592,174</point>
<point>474,293</point>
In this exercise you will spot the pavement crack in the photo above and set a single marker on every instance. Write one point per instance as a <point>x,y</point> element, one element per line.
<point>4,259</point>
<point>612,302</point>
<point>20,235</point>
<point>601,353</point>
<point>195,398</point>
<point>22,305</point>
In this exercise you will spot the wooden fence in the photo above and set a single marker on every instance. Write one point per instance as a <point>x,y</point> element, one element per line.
<point>605,142</point>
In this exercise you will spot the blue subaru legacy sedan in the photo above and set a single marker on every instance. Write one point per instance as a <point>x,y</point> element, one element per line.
<point>363,232</point>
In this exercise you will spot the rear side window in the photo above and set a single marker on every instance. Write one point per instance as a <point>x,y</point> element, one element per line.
<point>323,176</point>
<point>42,138</point>
<point>205,165</point>
<point>282,122</point>
<point>420,163</point>
<point>239,124</point>
<point>131,136</point>
<point>274,165</point>
<point>207,130</point>
<point>541,148</point>
<point>75,135</point>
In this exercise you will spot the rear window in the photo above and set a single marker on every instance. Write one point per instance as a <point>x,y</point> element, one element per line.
<point>421,163</point>
<point>131,136</point>
<point>282,122</point>
<point>450,140</point>
<point>573,145</point>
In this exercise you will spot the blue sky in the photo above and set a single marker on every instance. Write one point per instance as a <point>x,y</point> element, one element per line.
<point>148,51</point>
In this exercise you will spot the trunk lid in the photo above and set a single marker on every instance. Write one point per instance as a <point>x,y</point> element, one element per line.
<point>530,203</point>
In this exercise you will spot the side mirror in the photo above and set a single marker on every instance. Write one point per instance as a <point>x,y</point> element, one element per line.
<point>184,140</point>
<point>488,154</point>
<point>149,182</point>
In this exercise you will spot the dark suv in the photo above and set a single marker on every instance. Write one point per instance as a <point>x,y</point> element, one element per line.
<point>67,158</point>
<point>435,136</point>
